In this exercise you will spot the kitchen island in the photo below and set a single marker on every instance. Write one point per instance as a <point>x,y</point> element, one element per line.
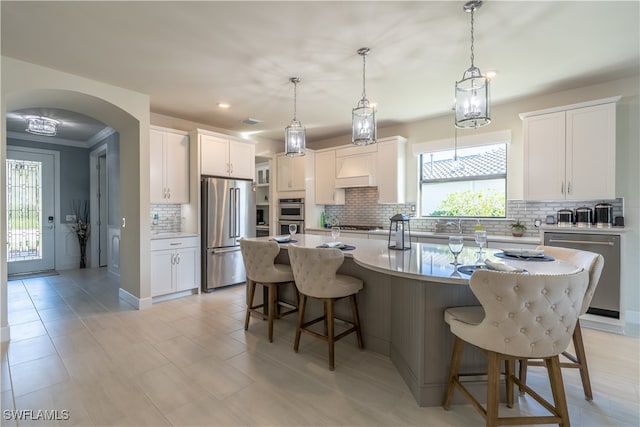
<point>402,306</point>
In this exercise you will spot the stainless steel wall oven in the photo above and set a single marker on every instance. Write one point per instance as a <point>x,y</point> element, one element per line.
<point>291,209</point>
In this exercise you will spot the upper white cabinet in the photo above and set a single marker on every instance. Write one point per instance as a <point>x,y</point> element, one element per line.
<point>356,166</point>
<point>291,173</point>
<point>226,158</point>
<point>390,170</point>
<point>169,165</point>
<point>325,180</point>
<point>569,152</point>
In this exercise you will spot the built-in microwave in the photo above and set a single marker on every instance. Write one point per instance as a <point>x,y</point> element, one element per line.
<point>291,209</point>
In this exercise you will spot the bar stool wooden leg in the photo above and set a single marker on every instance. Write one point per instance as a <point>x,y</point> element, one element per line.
<point>493,388</point>
<point>557,389</point>
<point>328,310</point>
<point>273,301</point>
<point>509,368</point>
<point>456,357</point>
<point>523,375</point>
<point>301,307</point>
<point>581,360</point>
<point>356,320</point>
<point>252,292</point>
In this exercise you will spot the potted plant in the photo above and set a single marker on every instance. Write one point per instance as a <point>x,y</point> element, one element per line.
<point>518,229</point>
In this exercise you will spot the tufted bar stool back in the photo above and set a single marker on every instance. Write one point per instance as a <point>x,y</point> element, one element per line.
<point>593,263</point>
<point>526,316</point>
<point>315,273</point>
<point>259,263</point>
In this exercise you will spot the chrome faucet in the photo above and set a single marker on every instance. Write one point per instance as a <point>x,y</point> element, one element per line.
<point>457,224</point>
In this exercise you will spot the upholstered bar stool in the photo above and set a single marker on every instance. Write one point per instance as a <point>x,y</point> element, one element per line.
<point>525,316</point>
<point>259,263</point>
<point>593,263</point>
<point>315,270</point>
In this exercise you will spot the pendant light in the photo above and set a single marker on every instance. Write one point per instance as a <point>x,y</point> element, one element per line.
<point>295,133</point>
<point>457,165</point>
<point>472,92</point>
<point>363,116</point>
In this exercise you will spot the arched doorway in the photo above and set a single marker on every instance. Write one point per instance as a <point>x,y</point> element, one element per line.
<point>123,110</point>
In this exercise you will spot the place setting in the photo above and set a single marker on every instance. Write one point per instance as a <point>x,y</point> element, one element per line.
<point>293,229</point>
<point>335,233</point>
<point>456,244</point>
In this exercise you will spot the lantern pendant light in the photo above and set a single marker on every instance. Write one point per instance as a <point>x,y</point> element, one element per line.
<point>295,133</point>
<point>472,92</point>
<point>363,116</point>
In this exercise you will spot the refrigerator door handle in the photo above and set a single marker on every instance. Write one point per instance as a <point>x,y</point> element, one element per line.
<point>224,251</point>
<point>232,214</point>
<point>237,215</point>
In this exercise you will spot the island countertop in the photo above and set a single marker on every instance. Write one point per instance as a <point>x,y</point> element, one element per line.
<point>424,261</point>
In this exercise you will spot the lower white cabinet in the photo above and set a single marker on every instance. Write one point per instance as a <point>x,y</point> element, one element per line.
<point>174,265</point>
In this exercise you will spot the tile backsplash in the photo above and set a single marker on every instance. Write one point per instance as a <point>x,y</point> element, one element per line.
<point>362,208</point>
<point>169,218</point>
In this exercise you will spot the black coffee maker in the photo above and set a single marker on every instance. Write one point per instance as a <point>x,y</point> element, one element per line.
<point>259,216</point>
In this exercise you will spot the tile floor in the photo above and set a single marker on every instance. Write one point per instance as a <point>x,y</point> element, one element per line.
<point>77,347</point>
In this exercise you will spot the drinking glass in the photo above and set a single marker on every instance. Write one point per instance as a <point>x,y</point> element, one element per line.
<point>292,230</point>
<point>481,239</point>
<point>335,233</point>
<point>455,246</point>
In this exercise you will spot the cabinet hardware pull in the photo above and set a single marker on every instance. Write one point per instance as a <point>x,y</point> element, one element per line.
<point>175,244</point>
<point>569,188</point>
<point>562,188</point>
<point>580,242</point>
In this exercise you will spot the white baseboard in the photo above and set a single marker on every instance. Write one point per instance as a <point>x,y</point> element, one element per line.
<point>5,333</point>
<point>175,295</point>
<point>632,316</point>
<point>139,303</point>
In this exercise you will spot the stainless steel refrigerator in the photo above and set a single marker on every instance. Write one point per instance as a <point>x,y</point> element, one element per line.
<point>228,213</point>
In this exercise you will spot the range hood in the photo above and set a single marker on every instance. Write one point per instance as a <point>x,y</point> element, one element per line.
<point>356,171</point>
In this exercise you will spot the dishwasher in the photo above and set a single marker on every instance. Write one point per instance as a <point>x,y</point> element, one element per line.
<point>606,300</point>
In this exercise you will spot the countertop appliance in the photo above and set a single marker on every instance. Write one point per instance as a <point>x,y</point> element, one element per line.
<point>228,213</point>
<point>606,300</point>
<point>604,215</point>
<point>584,216</point>
<point>565,218</point>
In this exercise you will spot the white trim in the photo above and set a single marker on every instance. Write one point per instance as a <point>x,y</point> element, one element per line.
<point>45,139</point>
<point>5,334</point>
<point>632,316</point>
<point>139,303</point>
<point>475,140</point>
<point>93,208</point>
<point>602,323</point>
<point>98,137</point>
<point>170,130</point>
<point>175,295</point>
<point>570,107</point>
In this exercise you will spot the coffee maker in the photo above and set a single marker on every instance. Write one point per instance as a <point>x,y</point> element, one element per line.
<point>260,216</point>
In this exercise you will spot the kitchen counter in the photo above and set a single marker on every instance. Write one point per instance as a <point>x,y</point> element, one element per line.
<point>172,235</point>
<point>531,240</point>
<point>402,304</point>
<point>584,230</point>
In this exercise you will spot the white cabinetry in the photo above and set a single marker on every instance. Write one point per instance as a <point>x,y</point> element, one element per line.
<point>291,173</point>
<point>325,180</point>
<point>226,158</point>
<point>390,171</point>
<point>570,154</point>
<point>169,166</point>
<point>174,265</point>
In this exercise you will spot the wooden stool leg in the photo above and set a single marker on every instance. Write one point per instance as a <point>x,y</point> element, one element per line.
<point>301,307</point>
<point>581,356</point>
<point>328,312</point>
<point>356,320</point>
<point>250,295</point>
<point>273,302</point>
<point>296,295</point>
<point>493,389</point>
<point>456,357</point>
<point>557,389</point>
<point>509,368</point>
<point>523,375</point>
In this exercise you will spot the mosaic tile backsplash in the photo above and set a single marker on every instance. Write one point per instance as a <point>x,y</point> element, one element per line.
<point>169,218</point>
<point>362,208</point>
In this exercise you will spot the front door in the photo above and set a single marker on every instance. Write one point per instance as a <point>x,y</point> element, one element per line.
<point>30,211</point>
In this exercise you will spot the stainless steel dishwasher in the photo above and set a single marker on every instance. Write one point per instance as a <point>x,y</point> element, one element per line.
<point>606,300</point>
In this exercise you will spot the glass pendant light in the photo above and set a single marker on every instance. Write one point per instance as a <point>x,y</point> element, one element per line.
<point>363,116</point>
<point>472,92</point>
<point>295,133</point>
<point>43,126</point>
<point>457,165</point>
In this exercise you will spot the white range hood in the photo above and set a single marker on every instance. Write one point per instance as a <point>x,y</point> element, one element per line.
<point>356,171</point>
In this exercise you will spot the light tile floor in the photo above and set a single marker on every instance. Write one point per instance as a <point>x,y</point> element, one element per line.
<point>77,347</point>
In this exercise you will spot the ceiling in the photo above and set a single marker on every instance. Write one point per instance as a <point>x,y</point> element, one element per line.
<point>188,56</point>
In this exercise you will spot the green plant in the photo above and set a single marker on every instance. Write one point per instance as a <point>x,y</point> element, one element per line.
<point>518,227</point>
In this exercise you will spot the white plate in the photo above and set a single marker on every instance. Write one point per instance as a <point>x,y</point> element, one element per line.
<point>527,253</point>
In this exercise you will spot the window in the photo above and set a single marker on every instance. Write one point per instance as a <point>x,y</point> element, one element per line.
<point>474,186</point>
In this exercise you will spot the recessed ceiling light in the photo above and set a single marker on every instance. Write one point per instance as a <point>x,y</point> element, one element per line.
<point>251,121</point>
<point>223,105</point>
